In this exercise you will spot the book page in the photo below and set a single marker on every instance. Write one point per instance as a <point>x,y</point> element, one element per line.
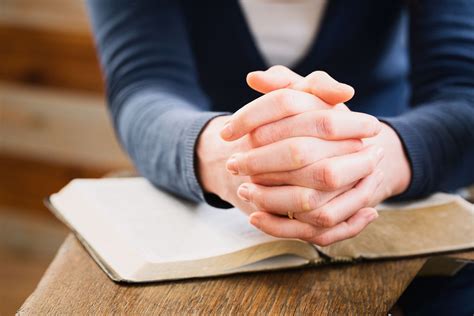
<point>274,263</point>
<point>433,200</point>
<point>439,223</point>
<point>160,227</point>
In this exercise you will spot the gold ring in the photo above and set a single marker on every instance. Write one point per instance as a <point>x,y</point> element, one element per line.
<point>290,215</point>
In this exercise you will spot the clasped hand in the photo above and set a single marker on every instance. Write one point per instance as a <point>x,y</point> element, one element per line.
<point>299,150</point>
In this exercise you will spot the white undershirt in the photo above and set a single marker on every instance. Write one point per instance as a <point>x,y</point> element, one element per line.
<point>283,29</point>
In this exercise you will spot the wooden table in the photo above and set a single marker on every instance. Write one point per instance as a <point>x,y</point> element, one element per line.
<point>74,284</point>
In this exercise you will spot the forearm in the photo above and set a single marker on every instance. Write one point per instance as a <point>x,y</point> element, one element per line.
<point>437,137</point>
<point>438,133</point>
<point>153,92</point>
<point>159,132</point>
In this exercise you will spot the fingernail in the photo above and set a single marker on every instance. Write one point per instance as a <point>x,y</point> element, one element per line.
<point>243,193</point>
<point>255,221</point>
<point>232,166</point>
<point>227,131</point>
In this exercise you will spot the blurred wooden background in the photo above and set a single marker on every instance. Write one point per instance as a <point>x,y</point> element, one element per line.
<point>53,127</point>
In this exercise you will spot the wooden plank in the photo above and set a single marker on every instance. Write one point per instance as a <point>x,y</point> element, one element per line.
<point>27,246</point>
<point>358,289</point>
<point>60,127</point>
<point>25,182</point>
<point>51,58</point>
<point>69,15</point>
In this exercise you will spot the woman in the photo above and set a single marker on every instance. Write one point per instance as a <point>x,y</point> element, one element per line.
<point>175,71</point>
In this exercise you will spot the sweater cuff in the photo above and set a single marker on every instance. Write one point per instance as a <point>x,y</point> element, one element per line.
<point>191,138</point>
<point>415,150</point>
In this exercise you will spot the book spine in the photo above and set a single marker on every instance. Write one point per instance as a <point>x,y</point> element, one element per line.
<point>323,258</point>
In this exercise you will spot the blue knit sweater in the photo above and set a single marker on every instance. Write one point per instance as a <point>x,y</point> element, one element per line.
<point>172,65</point>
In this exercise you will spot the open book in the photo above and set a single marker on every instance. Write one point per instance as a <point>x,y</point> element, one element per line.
<point>137,233</point>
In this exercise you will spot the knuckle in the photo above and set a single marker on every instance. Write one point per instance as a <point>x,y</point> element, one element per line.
<point>318,75</point>
<point>326,125</point>
<point>260,200</point>
<point>298,155</point>
<point>322,240</point>
<point>283,99</point>
<point>316,177</point>
<point>306,200</point>
<point>330,176</point>
<point>324,218</point>
<point>261,136</point>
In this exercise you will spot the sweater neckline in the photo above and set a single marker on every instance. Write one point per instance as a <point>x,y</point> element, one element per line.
<point>305,65</point>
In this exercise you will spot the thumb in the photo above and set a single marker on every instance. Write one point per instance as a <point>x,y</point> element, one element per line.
<point>274,78</point>
<point>325,87</point>
<point>318,83</point>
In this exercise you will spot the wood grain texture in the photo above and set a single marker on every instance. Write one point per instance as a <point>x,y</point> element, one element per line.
<point>469,256</point>
<point>27,245</point>
<point>53,58</point>
<point>45,14</point>
<point>52,125</point>
<point>73,284</point>
<point>25,183</point>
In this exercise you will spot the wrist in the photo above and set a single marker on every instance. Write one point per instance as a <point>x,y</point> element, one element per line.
<point>395,163</point>
<point>403,169</point>
<point>212,153</point>
<point>206,154</point>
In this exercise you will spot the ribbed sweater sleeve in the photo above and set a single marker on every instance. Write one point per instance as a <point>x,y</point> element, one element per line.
<point>438,134</point>
<point>157,106</point>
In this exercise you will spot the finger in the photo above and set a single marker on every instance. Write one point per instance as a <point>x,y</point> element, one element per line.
<point>282,227</point>
<point>326,124</point>
<point>325,87</point>
<point>283,199</point>
<point>327,174</point>
<point>289,228</point>
<point>289,154</point>
<point>343,170</point>
<point>274,78</point>
<point>345,230</point>
<point>270,108</point>
<point>318,83</point>
<point>345,205</point>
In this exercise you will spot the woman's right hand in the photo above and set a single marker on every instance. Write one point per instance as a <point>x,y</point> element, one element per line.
<point>217,175</point>
<point>213,152</point>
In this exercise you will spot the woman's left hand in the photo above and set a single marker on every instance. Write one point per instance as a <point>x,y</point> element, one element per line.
<point>390,174</point>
